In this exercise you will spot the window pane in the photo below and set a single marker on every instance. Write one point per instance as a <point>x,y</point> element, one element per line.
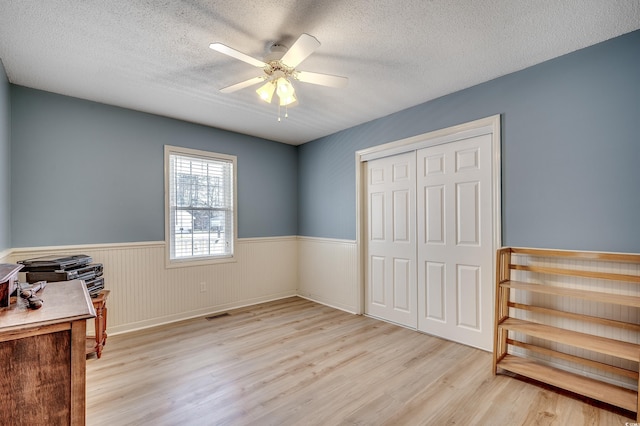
<point>201,206</point>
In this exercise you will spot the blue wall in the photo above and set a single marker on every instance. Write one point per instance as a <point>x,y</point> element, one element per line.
<point>87,173</point>
<point>5,161</point>
<point>570,152</point>
<point>84,172</point>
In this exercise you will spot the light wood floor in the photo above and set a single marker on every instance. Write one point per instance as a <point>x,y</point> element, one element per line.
<point>295,362</point>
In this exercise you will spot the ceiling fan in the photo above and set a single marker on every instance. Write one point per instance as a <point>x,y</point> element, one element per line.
<point>279,68</point>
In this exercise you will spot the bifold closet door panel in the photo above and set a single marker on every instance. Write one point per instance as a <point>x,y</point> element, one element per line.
<point>391,292</point>
<point>454,242</point>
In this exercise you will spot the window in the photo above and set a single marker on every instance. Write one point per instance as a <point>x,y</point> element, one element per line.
<point>200,199</point>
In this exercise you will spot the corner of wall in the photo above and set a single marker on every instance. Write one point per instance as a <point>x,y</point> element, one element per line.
<point>5,160</point>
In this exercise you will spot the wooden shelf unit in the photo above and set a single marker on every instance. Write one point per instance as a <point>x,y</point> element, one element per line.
<point>512,355</point>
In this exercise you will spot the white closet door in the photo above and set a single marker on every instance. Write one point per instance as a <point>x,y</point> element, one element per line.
<point>455,231</point>
<point>391,292</point>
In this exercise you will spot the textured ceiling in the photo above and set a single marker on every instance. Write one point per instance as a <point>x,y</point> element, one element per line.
<point>153,56</point>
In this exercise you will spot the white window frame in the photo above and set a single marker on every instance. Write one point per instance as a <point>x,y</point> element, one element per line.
<point>197,260</point>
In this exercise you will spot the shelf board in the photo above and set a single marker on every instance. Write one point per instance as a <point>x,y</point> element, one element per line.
<point>579,317</point>
<point>614,395</point>
<point>568,254</point>
<point>596,296</point>
<point>616,348</point>
<point>576,273</point>
<point>575,359</point>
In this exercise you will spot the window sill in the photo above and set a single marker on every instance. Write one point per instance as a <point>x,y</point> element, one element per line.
<point>183,263</point>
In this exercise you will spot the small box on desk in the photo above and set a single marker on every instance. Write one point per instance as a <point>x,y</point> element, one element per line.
<point>8,280</point>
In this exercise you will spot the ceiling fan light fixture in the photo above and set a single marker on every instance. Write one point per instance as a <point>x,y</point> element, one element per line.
<point>288,99</point>
<point>266,91</point>
<point>284,88</point>
<point>285,91</point>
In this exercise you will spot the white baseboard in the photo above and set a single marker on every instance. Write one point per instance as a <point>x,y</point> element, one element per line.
<point>329,304</point>
<point>200,313</point>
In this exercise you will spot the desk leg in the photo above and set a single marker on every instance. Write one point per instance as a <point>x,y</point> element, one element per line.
<point>99,329</point>
<point>97,342</point>
<point>103,341</point>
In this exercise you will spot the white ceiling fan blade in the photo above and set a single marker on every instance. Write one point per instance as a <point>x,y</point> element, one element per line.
<point>242,84</point>
<point>301,49</point>
<point>219,47</point>
<point>322,79</point>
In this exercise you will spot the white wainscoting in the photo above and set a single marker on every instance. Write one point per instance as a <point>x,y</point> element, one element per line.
<point>328,272</point>
<point>5,256</point>
<point>144,293</point>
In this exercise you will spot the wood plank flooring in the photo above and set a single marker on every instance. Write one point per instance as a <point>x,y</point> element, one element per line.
<point>295,362</point>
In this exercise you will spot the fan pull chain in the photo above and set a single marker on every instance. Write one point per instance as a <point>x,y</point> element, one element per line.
<point>286,112</point>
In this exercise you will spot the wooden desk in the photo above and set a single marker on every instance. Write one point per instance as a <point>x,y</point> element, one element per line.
<point>8,278</point>
<point>97,342</point>
<point>42,357</point>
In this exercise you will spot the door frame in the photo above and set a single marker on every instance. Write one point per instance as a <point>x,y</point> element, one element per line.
<point>489,125</point>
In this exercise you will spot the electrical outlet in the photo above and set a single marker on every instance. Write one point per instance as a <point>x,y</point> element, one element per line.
<point>203,287</point>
